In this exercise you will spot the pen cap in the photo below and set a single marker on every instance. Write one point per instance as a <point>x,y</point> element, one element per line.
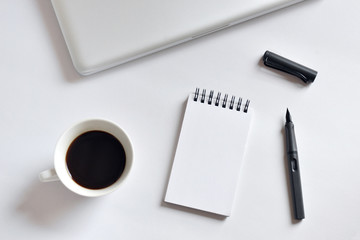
<point>307,75</point>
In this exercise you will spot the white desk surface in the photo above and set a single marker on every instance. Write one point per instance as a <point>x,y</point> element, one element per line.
<point>41,95</point>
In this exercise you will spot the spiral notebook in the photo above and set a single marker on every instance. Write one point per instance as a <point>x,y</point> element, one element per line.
<point>210,152</point>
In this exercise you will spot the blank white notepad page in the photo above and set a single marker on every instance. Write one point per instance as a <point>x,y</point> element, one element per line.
<point>208,157</point>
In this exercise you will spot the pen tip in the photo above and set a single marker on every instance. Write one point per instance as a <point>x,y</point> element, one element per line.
<point>288,116</point>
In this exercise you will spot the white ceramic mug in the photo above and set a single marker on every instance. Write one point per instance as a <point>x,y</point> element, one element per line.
<point>60,170</point>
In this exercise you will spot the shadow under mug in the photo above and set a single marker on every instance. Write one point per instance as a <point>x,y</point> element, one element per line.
<point>60,170</point>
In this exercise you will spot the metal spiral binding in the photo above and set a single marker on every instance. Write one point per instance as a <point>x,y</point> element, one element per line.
<point>210,97</point>
<point>224,100</point>
<point>217,99</point>
<point>203,95</point>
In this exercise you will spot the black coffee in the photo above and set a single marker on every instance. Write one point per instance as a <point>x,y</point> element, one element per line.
<point>95,159</point>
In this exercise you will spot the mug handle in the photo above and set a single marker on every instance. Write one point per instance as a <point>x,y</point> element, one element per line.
<point>48,176</point>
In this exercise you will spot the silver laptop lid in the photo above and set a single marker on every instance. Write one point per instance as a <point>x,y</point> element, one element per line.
<point>104,33</point>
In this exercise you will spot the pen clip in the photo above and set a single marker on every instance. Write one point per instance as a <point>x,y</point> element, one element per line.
<point>280,63</point>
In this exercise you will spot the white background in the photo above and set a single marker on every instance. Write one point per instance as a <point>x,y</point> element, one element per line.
<point>41,95</point>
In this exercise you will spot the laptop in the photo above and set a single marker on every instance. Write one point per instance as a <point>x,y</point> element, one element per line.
<point>101,34</point>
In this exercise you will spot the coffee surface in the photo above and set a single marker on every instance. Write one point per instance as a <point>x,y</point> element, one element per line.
<point>95,159</point>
